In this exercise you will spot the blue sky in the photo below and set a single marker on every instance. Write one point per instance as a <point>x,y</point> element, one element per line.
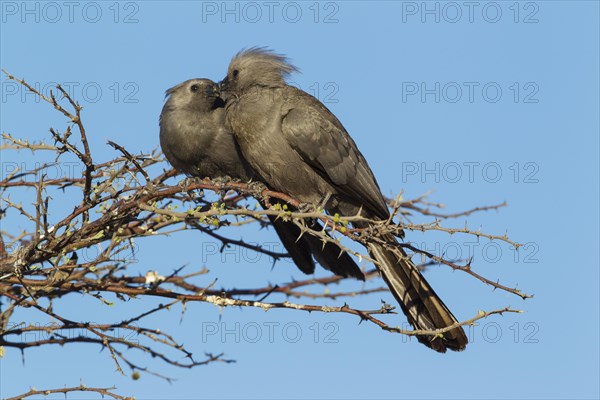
<point>481,102</point>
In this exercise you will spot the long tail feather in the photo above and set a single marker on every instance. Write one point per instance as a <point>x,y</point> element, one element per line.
<point>423,308</point>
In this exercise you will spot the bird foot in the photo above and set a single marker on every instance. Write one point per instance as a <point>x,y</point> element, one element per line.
<point>190,180</point>
<point>223,180</point>
<point>306,207</point>
<point>257,186</point>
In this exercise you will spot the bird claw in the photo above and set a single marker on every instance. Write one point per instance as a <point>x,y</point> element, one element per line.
<point>257,186</point>
<point>322,205</point>
<point>190,180</point>
<point>306,207</point>
<point>222,180</point>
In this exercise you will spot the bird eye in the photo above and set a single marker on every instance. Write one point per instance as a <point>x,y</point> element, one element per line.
<point>194,88</point>
<point>235,73</point>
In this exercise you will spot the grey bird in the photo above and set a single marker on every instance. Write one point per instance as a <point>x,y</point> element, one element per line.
<point>299,147</point>
<point>197,142</point>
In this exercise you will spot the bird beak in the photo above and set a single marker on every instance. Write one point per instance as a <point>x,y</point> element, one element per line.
<point>223,88</point>
<point>224,84</point>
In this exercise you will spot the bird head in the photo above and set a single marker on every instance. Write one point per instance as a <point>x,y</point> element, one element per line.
<point>195,94</point>
<point>256,66</point>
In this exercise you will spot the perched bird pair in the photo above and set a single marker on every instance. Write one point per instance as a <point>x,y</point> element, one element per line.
<point>253,125</point>
<point>197,141</point>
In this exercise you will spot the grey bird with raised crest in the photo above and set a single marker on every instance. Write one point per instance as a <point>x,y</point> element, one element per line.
<point>300,148</point>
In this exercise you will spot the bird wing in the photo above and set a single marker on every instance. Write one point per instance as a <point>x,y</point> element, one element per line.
<point>323,143</point>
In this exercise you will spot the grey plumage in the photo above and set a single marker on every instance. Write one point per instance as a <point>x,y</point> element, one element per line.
<point>299,147</point>
<point>196,140</point>
<point>193,135</point>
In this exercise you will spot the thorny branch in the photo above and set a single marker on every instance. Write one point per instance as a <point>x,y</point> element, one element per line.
<point>40,265</point>
<point>104,392</point>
